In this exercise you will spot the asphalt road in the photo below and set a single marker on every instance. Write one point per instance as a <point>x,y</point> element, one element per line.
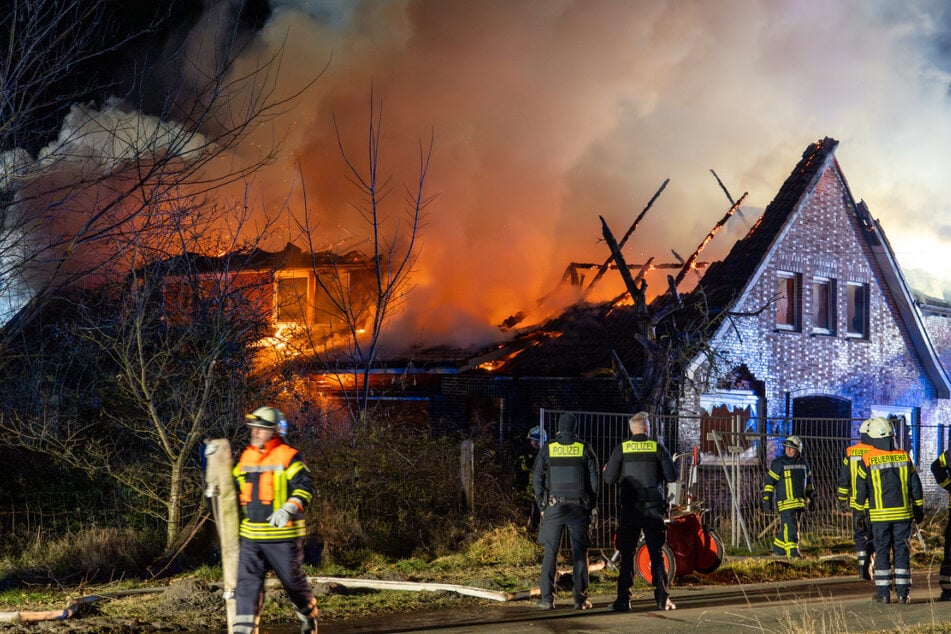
<point>840,604</point>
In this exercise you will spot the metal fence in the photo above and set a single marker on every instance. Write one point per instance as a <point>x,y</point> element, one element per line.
<point>732,462</point>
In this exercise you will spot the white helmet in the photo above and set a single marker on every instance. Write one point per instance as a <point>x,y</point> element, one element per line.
<point>793,441</point>
<point>266,418</point>
<point>537,434</point>
<point>880,428</point>
<point>863,428</point>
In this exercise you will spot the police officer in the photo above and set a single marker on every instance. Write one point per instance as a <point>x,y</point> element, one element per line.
<point>565,482</point>
<point>848,474</point>
<point>941,469</point>
<point>642,466</point>
<point>789,482</point>
<point>890,484</point>
<point>524,463</point>
<point>275,487</point>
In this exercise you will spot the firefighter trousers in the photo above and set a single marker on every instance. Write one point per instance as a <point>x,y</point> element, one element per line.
<point>286,559</point>
<point>944,574</point>
<point>863,542</point>
<point>892,539</point>
<point>786,541</point>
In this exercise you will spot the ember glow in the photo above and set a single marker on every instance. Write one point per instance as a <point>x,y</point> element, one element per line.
<point>549,114</point>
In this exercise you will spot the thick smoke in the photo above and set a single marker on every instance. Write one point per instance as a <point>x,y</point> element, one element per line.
<point>549,114</point>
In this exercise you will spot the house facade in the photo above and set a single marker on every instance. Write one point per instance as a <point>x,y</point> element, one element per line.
<point>819,325</point>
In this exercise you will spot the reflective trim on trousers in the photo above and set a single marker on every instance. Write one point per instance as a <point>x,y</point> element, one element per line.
<point>945,582</point>
<point>883,578</point>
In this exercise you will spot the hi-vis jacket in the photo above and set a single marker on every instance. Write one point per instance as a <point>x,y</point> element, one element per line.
<point>941,471</point>
<point>267,478</point>
<point>789,480</point>
<point>849,473</point>
<point>566,469</point>
<point>889,482</point>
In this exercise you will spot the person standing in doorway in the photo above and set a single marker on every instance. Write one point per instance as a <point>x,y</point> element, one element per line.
<point>565,481</point>
<point>789,483</point>
<point>890,484</point>
<point>643,467</point>
<point>848,474</point>
<point>275,487</point>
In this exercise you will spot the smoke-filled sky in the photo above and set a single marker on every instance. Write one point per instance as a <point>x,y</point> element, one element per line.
<point>547,114</point>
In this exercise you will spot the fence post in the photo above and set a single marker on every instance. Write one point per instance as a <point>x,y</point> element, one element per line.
<point>467,472</point>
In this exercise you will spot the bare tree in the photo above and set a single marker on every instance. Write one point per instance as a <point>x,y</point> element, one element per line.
<point>364,307</point>
<point>116,385</point>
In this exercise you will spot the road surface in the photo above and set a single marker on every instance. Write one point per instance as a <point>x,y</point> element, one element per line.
<point>839,604</point>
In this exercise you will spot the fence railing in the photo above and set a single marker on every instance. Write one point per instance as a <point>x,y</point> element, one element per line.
<point>730,472</point>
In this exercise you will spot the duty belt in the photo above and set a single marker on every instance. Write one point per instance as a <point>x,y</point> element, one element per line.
<point>552,500</point>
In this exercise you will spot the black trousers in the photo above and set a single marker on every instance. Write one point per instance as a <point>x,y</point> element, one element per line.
<point>286,559</point>
<point>786,541</point>
<point>632,524</point>
<point>575,518</point>
<point>892,539</point>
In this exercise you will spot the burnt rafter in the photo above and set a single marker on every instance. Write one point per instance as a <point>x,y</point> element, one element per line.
<point>689,263</point>
<point>630,231</point>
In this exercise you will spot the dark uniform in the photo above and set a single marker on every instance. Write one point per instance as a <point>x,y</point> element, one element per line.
<point>524,463</point>
<point>941,469</point>
<point>642,466</point>
<point>789,483</point>
<point>861,533</point>
<point>268,478</point>
<point>565,481</point>
<point>890,484</point>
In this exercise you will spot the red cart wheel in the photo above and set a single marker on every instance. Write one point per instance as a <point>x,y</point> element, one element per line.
<point>642,563</point>
<point>709,553</point>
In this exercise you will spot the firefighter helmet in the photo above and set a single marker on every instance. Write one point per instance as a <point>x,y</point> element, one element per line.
<point>863,428</point>
<point>537,434</point>
<point>266,418</point>
<point>795,442</point>
<point>880,428</point>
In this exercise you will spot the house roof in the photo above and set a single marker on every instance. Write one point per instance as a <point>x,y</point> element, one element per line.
<point>725,281</point>
<point>257,259</point>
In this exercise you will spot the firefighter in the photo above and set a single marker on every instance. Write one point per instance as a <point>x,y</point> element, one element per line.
<point>890,484</point>
<point>275,487</point>
<point>642,466</point>
<point>789,482</point>
<point>848,473</point>
<point>524,462</point>
<point>941,469</point>
<point>565,481</point>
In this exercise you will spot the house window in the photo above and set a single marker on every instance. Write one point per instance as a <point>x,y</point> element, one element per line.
<point>292,304</point>
<point>787,302</point>
<point>906,421</point>
<point>857,316</point>
<point>823,306</point>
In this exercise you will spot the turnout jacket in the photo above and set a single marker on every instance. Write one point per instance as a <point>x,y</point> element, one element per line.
<point>566,469</point>
<point>789,482</point>
<point>890,484</point>
<point>642,466</point>
<point>267,478</point>
<point>849,473</point>
<point>941,471</point>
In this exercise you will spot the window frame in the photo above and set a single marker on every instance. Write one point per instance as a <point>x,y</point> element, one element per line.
<point>850,311</point>
<point>795,279</point>
<point>830,310</point>
<point>306,309</point>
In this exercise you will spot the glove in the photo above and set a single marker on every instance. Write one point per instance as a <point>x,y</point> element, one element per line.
<point>919,514</point>
<point>766,506</point>
<point>283,515</point>
<point>811,505</point>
